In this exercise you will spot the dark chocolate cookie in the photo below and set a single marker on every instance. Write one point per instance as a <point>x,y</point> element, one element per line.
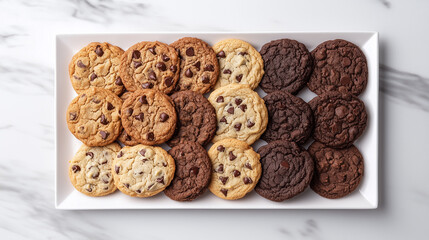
<point>338,172</point>
<point>193,171</point>
<point>340,118</point>
<point>290,118</point>
<point>339,65</point>
<point>287,170</point>
<point>287,65</point>
<point>196,118</point>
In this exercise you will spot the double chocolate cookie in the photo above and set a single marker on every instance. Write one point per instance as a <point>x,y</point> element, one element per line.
<point>196,118</point>
<point>339,66</point>
<point>290,118</point>
<point>287,64</point>
<point>199,68</point>
<point>338,172</point>
<point>150,65</point>
<point>287,170</point>
<point>193,172</point>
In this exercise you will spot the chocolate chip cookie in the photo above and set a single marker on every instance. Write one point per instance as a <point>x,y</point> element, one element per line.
<point>239,63</point>
<point>94,118</point>
<point>290,118</point>
<point>90,170</point>
<point>193,172</point>
<point>196,118</point>
<point>149,117</point>
<point>142,171</point>
<point>287,170</point>
<point>240,112</point>
<point>339,66</point>
<point>236,169</point>
<point>338,172</point>
<point>287,64</point>
<point>97,65</point>
<point>340,118</point>
<point>199,68</point>
<point>150,65</point>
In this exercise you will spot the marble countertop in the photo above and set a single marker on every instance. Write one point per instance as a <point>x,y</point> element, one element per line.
<point>27,31</point>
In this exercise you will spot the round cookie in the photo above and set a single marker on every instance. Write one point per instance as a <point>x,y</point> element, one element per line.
<point>236,169</point>
<point>340,118</point>
<point>287,170</point>
<point>240,112</point>
<point>193,172</point>
<point>90,170</point>
<point>97,65</point>
<point>196,118</point>
<point>150,65</point>
<point>339,66</point>
<point>239,62</point>
<point>290,118</point>
<point>338,172</point>
<point>94,118</point>
<point>199,68</point>
<point>149,116</point>
<point>287,65</point>
<point>142,171</point>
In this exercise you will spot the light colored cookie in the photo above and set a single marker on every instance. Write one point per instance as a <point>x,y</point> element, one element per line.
<point>239,62</point>
<point>142,171</point>
<point>90,170</point>
<point>97,65</point>
<point>93,117</point>
<point>240,112</point>
<point>236,169</point>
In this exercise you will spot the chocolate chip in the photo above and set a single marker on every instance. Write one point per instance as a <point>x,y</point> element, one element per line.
<point>250,124</point>
<point>130,111</point>
<point>72,116</point>
<point>76,77</point>
<point>119,81</point>
<point>247,180</point>
<point>80,64</point>
<point>104,134</point>
<point>242,53</point>
<point>93,77</point>
<point>120,154</point>
<point>138,191</point>
<point>205,79</point>
<point>147,85</point>
<point>136,54</point>
<point>164,117</point>
<point>209,68</point>
<point>164,164</point>
<point>143,99</point>
<point>117,168</point>
<point>75,168</point>
<point>90,154</point>
<point>247,165</point>
<point>150,186</point>
<point>127,185</point>
<point>139,117</point>
<point>227,71</point>
<point>219,99</point>
<point>190,52</point>
<point>168,81</point>
<point>110,106</point>
<point>223,179</point>
<point>152,50</point>
<point>89,189</point>
<point>224,191</point>
<point>238,101</point>
<point>161,66</point>
<point>239,77</point>
<point>142,152</point>
<point>232,156</point>
<point>95,175</point>
<point>197,65</point>
<point>237,126</point>
<point>127,137</point>
<point>103,120</point>
<point>160,180</point>
<point>137,64</point>
<point>284,164</point>
<point>189,73</point>
<point>95,100</point>
<point>223,119</point>
<point>152,75</point>
<point>221,148</point>
<point>220,168</point>
<point>243,107</point>
<point>104,161</point>
<point>106,181</point>
<point>221,54</point>
<point>150,136</point>
<point>230,110</point>
<point>99,51</point>
<point>173,68</point>
<point>194,171</point>
<point>236,173</point>
<point>165,58</point>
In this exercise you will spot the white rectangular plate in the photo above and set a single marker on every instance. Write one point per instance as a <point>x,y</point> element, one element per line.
<point>66,197</point>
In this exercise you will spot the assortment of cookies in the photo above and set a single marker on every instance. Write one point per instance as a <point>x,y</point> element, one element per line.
<point>152,94</point>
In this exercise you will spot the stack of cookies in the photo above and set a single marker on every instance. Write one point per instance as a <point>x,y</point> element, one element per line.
<point>152,94</point>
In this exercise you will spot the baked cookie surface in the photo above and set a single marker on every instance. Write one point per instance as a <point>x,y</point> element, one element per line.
<point>93,117</point>
<point>90,170</point>
<point>240,112</point>
<point>239,62</point>
<point>97,65</point>
<point>236,169</point>
<point>150,65</point>
<point>142,171</point>
<point>199,68</point>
